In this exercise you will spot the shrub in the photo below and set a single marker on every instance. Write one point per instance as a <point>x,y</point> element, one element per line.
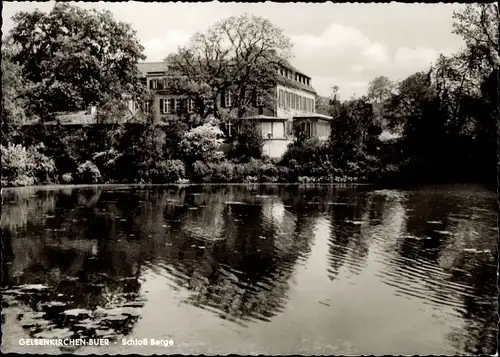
<point>199,171</point>
<point>106,162</point>
<point>202,143</point>
<point>17,170</point>
<point>311,158</point>
<point>248,143</point>
<point>88,173</point>
<point>173,170</point>
<point>23,167</point>
<point>67,178</point>
<point>222,171</point>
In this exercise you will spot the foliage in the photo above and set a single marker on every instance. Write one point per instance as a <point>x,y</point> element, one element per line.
<point>143,154</point>
<point>162,171</point>
<point>380,89</point>
<point>199,171</point>
<point>75,57</point>
<point>88,173</point>
<point>222,172</point>
<point>174,133</point>
<point>352,128</point>
<point>248,142</point>
<point>15,110</point>
<point>202,143</point>
<point>67,178</point>
<point>23,166</point>
<point>238,57</point>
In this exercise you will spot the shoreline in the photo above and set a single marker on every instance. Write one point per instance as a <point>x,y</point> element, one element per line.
<point>50,187</point>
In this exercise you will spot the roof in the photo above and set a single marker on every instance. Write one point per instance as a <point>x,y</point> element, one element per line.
<point>264,117</point>
<point>146,68</point>
<point>151,67</point>
<point>313,116</point>
<point>297,85</point>
<point>288,65</point>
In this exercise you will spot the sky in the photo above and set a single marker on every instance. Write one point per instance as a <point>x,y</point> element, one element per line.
<point>344,45</point>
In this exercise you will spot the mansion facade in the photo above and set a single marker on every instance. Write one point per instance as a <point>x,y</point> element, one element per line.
<point>294,105</point>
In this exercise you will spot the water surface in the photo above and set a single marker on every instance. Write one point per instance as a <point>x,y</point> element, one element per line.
<point>252,269</point>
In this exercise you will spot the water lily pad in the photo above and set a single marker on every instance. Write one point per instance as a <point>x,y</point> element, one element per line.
<point>447,233</point>
<point>55,333</point>
<point>34,287</point>
<point>76,312</point>
<point>354,222</point>
<point>116,318</point>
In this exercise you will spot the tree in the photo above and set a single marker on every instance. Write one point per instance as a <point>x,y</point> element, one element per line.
<point>407,101</point>
<point>75,57</point>
<point>351,128</point>
<point>239,58</point>
<point>322,105</point>
<point>15,107</point>
<point>479,25</point>
<point>249,142</point>
<point>380,89</point>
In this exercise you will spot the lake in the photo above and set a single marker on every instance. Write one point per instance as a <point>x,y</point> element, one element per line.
<point>251,269</point>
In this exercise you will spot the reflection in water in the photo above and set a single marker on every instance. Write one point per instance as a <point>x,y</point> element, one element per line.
<point>75,260</point>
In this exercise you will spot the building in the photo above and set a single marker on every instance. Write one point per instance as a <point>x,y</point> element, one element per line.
<point>294,105</point>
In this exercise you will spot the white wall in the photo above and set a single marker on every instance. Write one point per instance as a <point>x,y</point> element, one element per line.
<point>275,148</point>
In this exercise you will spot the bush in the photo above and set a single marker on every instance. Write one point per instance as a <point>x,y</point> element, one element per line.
<point>202,143</point>
<point>173,170</point>
<point>312,158</point>
<point>248,143</point>
<point>222,171</point>
<point>23,167</point>
<point>44,167</point>
<point>199,171</point>
<point>88,173</point>
<point>160,171</point>
<point>17,170</point>
<point>67,178</point>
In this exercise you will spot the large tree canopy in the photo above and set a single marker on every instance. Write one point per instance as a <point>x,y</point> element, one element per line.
<point>238,57</point>
<point>15,108</point>
<point>75,57</point>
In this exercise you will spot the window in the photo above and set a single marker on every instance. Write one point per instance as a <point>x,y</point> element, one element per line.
<point>167,108</point>
<point>287,106</point>
<point>166,83</point>
<point>153,84</point>
<point>313,109</point>
<point>177,106</point>
<point>190,105</point>
<point>259,101</point>
<point>227,99</point>
<point>146,107</point>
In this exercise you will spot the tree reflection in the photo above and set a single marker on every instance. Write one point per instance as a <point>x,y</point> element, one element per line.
<point>236,252</point>
<point>234,249</point>
<point>445,254</point>
<point>66,266</point>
